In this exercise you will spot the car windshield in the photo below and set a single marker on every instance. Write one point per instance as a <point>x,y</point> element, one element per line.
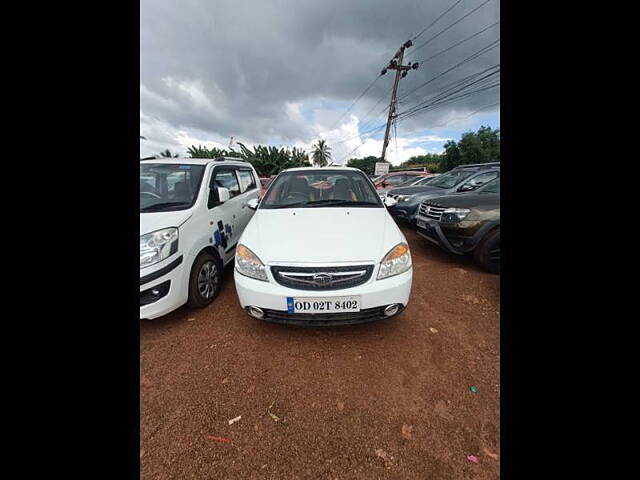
<point>168,187</point>
<point>321,188</point>
<point>491,187</point>
<point>450,179</point>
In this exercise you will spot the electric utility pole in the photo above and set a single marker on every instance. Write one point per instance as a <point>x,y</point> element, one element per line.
<point>401,71</point>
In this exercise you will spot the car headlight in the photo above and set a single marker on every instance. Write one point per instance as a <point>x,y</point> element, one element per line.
<point>454,215</point>
<point>397,261</point>
<point>158,245</point>
<point>249,265</point>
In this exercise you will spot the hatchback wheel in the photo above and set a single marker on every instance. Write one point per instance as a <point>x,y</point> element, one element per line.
<point>205,280</point>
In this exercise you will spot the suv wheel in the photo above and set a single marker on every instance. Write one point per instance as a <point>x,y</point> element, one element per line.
<point>205,280</point>
<point>487,254</point>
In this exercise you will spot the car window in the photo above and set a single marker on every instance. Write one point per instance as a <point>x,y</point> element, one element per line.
<point>247,180</point>
<point>395,180</point>
<point>321,188</point>
<point>167,187</point>
<point>423,181</point>
<point>226,177</point>
<point>481,179</point>
<point>491,187</point>
<point>451,179</point>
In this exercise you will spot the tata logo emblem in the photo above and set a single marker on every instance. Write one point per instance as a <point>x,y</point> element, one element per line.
<point>322,279</point>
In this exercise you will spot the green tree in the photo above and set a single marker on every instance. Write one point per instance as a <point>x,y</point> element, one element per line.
<point>167,154</point>
<point>269,160</point>
<point>213,152</point>
<point>366,164</point>
<point>321,154</point>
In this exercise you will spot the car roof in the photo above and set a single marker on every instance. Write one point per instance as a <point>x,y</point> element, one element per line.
<point>197,161</point>
<point>478,166</point>
<point>320,169</point>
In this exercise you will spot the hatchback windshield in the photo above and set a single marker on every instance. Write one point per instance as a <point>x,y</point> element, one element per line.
<point>450,179</point>
<point>321,188</point>
<point>168,187</point>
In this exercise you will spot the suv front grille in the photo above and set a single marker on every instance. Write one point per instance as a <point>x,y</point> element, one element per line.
<point>431,211</point>
<point>322,278</point>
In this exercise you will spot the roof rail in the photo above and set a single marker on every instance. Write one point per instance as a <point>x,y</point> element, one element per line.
<point>488,164</point>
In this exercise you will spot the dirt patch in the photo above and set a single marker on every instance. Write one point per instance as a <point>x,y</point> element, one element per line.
<point>385,400</point>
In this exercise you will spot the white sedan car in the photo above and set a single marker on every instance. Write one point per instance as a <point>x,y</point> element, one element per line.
<point>322,249</point>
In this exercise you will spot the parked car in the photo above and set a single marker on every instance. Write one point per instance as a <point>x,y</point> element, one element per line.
<point>394,179</point>
<point>465,223</point>
<point>192,212</point>
<point>465,178</point>
<point>413,181</point>
<point>264,184</point>
<point>322,250</point>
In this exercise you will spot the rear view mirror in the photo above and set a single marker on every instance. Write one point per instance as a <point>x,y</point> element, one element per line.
<point>223,194</point>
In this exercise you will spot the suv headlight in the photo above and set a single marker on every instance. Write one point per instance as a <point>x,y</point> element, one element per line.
<point>397,261</point>
<point>158,245</point>
<point>249,265</point>
<point>454,215</point>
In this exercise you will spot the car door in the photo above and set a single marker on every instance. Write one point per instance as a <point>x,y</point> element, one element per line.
<point>225,218</point>
<point>248,190</point>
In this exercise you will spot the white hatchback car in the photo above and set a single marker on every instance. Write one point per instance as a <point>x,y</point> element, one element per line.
<point>322,249</point>
<point>192,212</point>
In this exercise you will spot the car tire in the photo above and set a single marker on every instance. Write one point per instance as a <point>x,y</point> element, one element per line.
<point>487,254</point>
<point>205,280</point>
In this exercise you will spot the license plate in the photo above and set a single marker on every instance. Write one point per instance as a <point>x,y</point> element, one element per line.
<point>421,224</point>
<point>323,304</point>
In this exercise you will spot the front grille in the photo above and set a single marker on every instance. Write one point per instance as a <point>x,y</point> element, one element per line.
<point>325,319</point>
<point>431,211</point>
<point>322,278</point>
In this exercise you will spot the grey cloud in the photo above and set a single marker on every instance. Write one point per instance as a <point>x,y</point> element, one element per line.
<point>230,67</point>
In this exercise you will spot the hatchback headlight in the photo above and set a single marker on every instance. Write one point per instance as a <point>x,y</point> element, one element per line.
<point>454,215</point>
<point>158,245</point>
<point>249,265</point>
<point>397,261</point>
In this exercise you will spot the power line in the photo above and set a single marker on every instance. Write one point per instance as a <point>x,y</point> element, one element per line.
<point>355,101</point>
<point>436,97</point>
<point>453,24</point>
<point>480,52</point>
<point>459,43</point>
<point>433,23</point>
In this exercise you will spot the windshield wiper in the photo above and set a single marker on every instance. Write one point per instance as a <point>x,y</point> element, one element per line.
<point>336,202</point>
<point>160,206</point>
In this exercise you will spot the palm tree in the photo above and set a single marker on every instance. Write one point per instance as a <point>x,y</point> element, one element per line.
<point>167,154</point>
<point>321,154</point>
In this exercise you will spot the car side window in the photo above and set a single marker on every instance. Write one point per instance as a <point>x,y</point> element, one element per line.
<point>395,180</point>
<point>247,180</point>
<point>481,179</point>
<point>226,177</point>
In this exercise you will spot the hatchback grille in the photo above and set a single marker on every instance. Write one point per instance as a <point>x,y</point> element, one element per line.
<point>322,278</point>
<point>431,211</point>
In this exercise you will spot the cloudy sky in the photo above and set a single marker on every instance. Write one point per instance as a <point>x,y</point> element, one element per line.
<point>286,72</point>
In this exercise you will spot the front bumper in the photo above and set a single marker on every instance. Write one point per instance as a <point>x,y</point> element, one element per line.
<point>375,295</point>
<point>404,211</point>
<point>172,270</point>
<point>433,232</point>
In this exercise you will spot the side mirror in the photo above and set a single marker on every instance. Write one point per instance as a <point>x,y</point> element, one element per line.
<point>253,203</point>
<point>389,201</point>
<point>466,188</point>
<point>223,194</point>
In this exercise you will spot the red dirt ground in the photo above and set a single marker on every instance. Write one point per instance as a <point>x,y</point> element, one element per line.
<point>383,400</point>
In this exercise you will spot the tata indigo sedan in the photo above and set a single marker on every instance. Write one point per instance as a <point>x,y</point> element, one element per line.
<point>321,250</point>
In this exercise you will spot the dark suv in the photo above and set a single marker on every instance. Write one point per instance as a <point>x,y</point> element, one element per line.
<point>462,179</point>
<point>465,223</point>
